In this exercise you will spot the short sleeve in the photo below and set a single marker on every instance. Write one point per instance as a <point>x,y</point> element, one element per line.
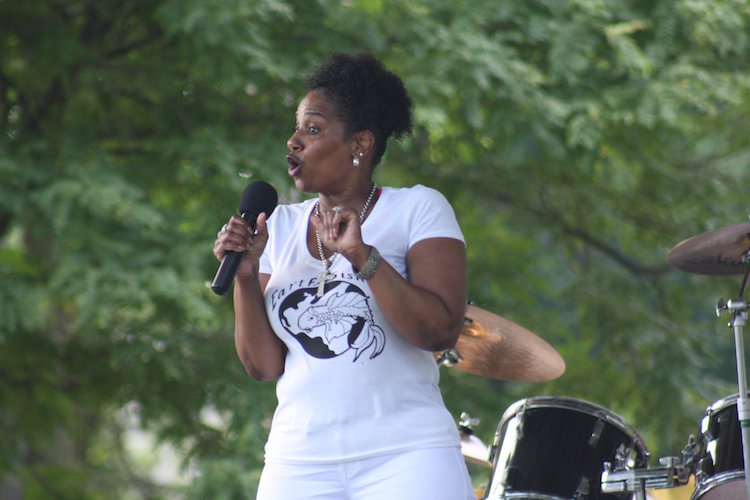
<point>432,216</point>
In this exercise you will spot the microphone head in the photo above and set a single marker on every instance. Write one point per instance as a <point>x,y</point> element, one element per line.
<point>258,197</point>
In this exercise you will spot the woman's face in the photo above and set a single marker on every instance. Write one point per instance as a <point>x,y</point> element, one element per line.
<point>320,155</point>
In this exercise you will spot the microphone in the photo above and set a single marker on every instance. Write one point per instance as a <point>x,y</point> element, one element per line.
<point>257,198</point>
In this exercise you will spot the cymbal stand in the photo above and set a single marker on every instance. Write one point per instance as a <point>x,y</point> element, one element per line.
<point>737,309</point>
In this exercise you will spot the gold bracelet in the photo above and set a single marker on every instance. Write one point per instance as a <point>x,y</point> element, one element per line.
<point>368,269</point>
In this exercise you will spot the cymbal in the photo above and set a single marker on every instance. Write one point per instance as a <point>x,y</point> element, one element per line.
<point>494,347</point>
<point>474,450</point>
<point>717,252</point>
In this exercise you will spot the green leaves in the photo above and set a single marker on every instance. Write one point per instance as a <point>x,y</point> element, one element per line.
<point>578,142</point>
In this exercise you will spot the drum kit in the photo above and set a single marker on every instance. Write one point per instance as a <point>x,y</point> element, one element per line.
<point>555,448</point>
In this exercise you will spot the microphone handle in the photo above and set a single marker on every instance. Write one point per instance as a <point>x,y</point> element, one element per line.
<point>230,263</point>
<point>227,270</point>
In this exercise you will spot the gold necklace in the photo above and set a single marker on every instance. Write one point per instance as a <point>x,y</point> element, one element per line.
<point>327,263</point>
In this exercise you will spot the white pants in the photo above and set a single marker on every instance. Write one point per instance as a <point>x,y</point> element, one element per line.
<point>431,474</point>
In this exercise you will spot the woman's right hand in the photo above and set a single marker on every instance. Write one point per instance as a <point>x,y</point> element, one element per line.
<point>237,236</point>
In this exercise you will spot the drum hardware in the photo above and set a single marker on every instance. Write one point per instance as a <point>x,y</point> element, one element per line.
<point>721,252</point>
<point>451,357</point>
<point>596,433</point>
<point>692,454</point>
<point>494,347</point>
<point>467,422</point>
<point>583,489</point>
<point>620,476</point>
<point>620,480</point>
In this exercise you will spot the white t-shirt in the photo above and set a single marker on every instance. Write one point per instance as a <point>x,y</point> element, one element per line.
<point>352,387</point>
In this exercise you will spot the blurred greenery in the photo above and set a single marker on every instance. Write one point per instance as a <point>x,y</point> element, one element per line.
<point>578,141</point>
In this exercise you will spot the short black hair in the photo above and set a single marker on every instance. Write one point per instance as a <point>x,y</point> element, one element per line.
<point>366,95</point>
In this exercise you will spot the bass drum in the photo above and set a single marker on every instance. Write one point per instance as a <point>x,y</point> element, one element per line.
<point>554,448</point>
<point>720,472</point>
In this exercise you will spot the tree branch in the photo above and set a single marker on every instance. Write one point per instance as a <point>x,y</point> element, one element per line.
<point>611,252</point>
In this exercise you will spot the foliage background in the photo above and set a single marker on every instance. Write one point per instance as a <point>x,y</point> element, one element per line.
<point>578,141</point>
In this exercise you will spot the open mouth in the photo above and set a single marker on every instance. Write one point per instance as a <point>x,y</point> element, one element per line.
<point>294,165</point>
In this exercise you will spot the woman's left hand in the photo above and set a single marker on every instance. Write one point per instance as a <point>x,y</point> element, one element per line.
<point>339,230</point>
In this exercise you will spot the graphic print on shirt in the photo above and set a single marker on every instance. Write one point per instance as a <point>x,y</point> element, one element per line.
<point>331,325</point>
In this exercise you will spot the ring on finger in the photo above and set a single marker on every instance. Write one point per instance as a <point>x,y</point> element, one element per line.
<point>337,209</point>
<point>224,228</point>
